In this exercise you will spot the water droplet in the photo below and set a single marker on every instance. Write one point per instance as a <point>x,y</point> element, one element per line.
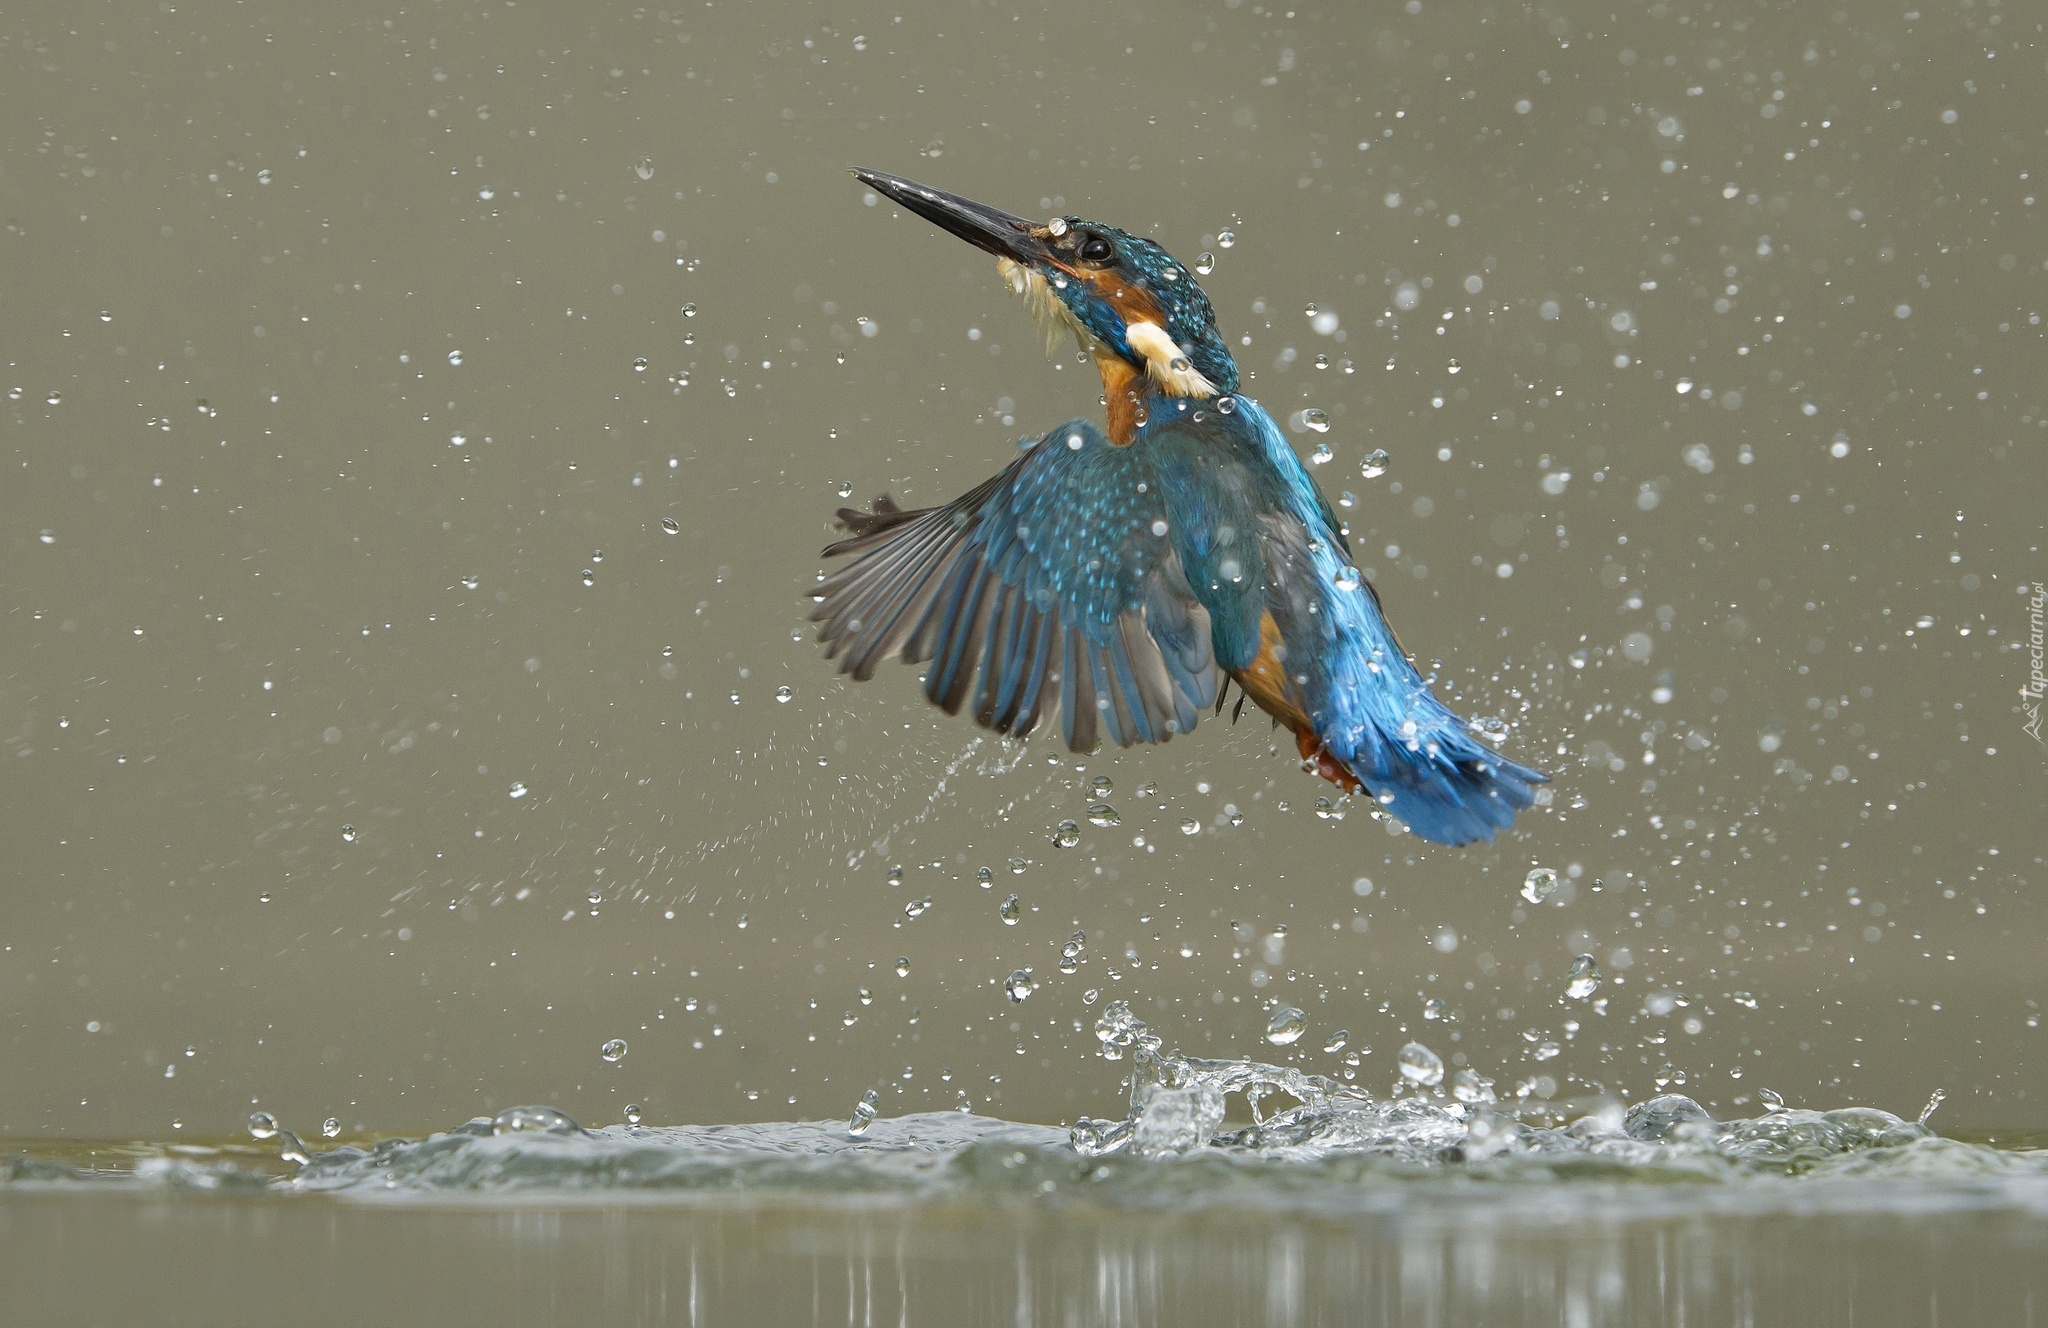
<point>644,168</point>
<point>262,1125</point>
<point>1226,238</point>
<point>330,1127</point>
<point>613,1051</point>
<point>984,877</point>
<point>1470,1087</point>
<point>55,398</point>
<point>867,997</point>
<point>589,577</point>
<point>1347,577</point>
<point>671,525</point>
<point>903,966</point>
<point>1338,1041</point>
<point>1322,361</point>
<point>1323,455</point>
<point>690,310</point>
<point>845,489</point>
<point>292,1149</point>
<point>1205,262</point>
<point>917,908</point>
<point>263,898</point>
<point>1017,866</point>
<point>1538,885</point>
<point>1190,826</point>
<point>1101,786</point>
<point>1066,834</point>
<point>1492,728</point>
<point>640,364</point>
<point>1434,1008</point>
<point>1453,366</point>
<point>896,874</point>
<point>864,1112</point>
<point>1019,985</point>
<point>1070,953</point>
<point>1226,405</point>
<point>1934,1102</point>
<point>348,834</point>
<point>1420,1065</point>
<point>784,692</point>
<point>1286,1026</point>
<point>632,1113</point>
<point>533,1120</point>
<point>1010,909</point>
<point>106,316</point>
<point>1375,463</point>
<point>1583,978</point>
<point>1102,814</point>
<point>1148,789</point>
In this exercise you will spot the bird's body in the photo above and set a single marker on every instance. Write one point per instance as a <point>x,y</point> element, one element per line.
<point>1118,576</point>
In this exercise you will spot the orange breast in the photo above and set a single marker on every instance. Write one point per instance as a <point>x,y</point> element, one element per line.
<point>1265,679</point>
<point>1122,390</point>
<point>1266,682</point>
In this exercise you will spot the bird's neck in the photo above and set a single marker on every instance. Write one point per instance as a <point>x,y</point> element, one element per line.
<point>1123,395</point>
<point>1129,396</point>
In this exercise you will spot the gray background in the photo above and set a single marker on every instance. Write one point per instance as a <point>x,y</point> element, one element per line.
<point>276,652</point>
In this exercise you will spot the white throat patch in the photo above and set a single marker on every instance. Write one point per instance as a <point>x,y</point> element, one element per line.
<point>1166,362</point>
<point>1048,312</point>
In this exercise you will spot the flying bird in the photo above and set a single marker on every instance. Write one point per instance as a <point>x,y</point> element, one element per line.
<point>1115,578</point>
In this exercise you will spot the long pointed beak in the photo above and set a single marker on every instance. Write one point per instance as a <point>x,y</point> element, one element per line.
<point>998,232</point>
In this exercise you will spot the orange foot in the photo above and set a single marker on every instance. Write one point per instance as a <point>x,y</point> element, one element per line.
<point>1315,758</point>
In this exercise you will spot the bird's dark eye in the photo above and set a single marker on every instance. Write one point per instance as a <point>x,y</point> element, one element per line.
<point>1095,249</point>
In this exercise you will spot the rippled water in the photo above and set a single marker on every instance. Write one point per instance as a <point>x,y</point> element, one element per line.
<point>1231,1192</point>
<point>1333,1149</point>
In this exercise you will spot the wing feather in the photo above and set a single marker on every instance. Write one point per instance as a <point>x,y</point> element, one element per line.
<point>1044,590</point>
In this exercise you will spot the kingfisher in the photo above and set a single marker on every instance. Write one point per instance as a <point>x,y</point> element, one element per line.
<point>1115,579</point>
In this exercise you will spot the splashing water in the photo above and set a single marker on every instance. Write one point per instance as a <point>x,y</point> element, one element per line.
<point>864,1112</point>
<point>1311,1153</point>
<point>1286,1026</point>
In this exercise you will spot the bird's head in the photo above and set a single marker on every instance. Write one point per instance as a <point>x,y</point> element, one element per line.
<point>1131,306</point>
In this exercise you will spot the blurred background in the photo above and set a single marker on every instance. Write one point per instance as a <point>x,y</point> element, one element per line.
<point>421,422</point>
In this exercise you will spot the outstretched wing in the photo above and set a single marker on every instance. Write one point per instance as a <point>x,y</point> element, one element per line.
<point>1054,583</point>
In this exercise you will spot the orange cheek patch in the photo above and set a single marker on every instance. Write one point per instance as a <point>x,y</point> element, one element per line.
<point>1132,303</point>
